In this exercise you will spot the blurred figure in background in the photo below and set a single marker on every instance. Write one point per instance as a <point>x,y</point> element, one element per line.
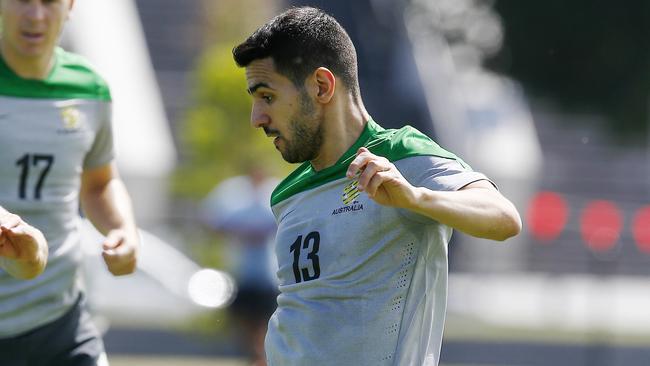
<point>239,209</point>
<point>56,152</point>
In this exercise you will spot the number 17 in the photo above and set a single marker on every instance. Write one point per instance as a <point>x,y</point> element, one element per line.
<point>35,159</point>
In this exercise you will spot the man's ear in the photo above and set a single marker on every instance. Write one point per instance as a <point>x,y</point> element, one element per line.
<point>70,6</point>
<point>325,82</point>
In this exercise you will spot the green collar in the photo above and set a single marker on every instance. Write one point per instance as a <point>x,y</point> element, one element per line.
<point>71,77</point>
<point>392,144</point>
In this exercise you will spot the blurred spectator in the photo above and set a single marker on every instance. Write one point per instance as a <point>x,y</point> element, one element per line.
<point>239,209</point>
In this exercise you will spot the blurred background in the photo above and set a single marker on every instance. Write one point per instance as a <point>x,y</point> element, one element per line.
<point>550,99</point>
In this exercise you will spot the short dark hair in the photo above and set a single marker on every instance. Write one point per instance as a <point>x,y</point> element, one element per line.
<point>299,41</point>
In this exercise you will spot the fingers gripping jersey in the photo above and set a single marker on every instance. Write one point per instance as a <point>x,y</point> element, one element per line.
<point>50,131</point>
<point>361,283</point>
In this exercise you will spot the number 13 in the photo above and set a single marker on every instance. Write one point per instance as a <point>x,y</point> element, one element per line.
<point>312,240</point>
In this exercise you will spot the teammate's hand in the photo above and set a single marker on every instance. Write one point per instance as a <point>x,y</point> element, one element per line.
<point>380,179</point>
<point>120,252</point>
<point>25,245</point>
<point>18,240</point>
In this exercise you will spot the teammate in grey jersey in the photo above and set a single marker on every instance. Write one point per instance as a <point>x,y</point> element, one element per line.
<point>364,221</point>
<point>56,154</point>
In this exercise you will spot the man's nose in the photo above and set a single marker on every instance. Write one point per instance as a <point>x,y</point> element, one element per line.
<point>35,10</point>
<point>259,118</point>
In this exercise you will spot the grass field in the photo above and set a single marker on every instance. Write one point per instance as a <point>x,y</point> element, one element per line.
<point>184,361</point>
<point>173,361</point>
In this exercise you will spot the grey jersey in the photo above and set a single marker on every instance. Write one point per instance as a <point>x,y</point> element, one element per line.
<point>50,131</point>
<point>361,283</point>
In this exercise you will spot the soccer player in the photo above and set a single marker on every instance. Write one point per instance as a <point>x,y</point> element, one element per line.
<point>364,221</point>
<point>56,151</point>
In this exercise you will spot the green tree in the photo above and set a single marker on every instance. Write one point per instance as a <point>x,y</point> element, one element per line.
<point>218,140</point>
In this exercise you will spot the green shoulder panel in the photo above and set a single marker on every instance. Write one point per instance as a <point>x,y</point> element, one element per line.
<point>390,143</point>
<point>71,77</point>
<point>395,145</point>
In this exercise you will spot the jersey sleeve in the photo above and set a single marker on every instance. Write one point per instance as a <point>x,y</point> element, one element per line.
<point>437,174</point>
<point>102,151</point>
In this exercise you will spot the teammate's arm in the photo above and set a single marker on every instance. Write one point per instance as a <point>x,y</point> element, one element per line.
<point>107,204</point>
<point>23,248</point>
<point>477,209</point>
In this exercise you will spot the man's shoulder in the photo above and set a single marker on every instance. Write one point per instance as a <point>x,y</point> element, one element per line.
<point>397,144</point>
<point>74,62</point>
<point>76,74</point>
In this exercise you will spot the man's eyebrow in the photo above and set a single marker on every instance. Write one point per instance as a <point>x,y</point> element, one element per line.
<point>253,88</point>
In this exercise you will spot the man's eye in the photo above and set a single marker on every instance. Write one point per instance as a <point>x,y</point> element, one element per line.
<point>267,98</point>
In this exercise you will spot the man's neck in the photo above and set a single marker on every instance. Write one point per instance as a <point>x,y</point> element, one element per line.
<point>27,67</point>
<point>342,129</point>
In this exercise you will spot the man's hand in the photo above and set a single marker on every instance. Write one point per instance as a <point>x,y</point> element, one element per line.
<point>24,246</point>
<point>477,209</point>
<point>381,180</point>
<point>120,252</point>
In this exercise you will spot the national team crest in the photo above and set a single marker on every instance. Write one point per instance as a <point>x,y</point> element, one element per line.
<point>350,192</point>
<point>71,117</point>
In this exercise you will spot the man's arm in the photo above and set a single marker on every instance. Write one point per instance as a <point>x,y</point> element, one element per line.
<point>107,204</point>
<point>23,248</point>
<point>477,209</point>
